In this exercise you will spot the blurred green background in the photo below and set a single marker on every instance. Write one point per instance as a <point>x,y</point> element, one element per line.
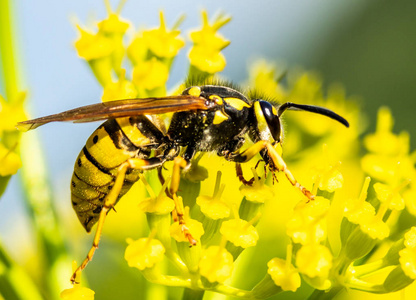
<point>374,56</point>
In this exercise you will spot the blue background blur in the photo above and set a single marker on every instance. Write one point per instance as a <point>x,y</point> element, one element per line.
<point>369,46</point>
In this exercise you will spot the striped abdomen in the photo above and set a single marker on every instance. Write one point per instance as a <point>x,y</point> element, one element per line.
<point>111,144</point>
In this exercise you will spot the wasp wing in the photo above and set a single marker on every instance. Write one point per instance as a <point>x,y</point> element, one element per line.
<point>121,108</point>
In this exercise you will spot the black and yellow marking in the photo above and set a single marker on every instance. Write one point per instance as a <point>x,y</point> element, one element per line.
<point>134,139</point>
<point>237,103</point>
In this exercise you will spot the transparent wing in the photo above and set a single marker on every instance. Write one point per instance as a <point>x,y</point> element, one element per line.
<point>121,108</point>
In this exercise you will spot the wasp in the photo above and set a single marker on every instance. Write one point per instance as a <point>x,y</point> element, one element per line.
<point>134,139</point>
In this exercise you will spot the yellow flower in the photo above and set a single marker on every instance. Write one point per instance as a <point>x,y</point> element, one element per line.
<point>216,264</point>
<point>359,211</point>
<point>9,161</point>
<point>375,228</point>
<point>314,260</point>
<point>263,77</point>
<point>383,141</point>
<point>163,42</point>
<point>207,60</point>
<point>410,199</point>
<point>410,238</point>
<point>144,253</point>
<point>389,195</point>
<point>123,89</point>
<point>240,232</point>
<point>408,261</point>
<point>330,179</point>
<point>195,228</point>
<point>159,205</point>
<point>206,54</point>
<point>308,224</point>
<point>284,274</point>
<point>388,169</point>
<point>12,112</point>
<point>92,46</point>
<point>213,207</point>
<point>137,50</point>
<point>150,74</point>
<point>97,50</point>
<point>258,192</point>
<point>77,292</point>
<point>113,25</point>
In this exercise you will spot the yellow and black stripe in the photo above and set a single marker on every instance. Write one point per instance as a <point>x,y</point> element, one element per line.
<point>111,144</point>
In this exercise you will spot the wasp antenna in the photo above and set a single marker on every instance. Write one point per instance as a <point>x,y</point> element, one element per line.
<point>313,109</point>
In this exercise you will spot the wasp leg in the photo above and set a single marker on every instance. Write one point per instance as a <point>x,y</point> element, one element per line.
<point>179,163</point>
<point>240,175</point>
<point>110,200</point>
<point>278,162</point>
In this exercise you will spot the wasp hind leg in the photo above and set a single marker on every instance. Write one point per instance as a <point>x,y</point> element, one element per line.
<point>279,163</point>
<point>111,199</point>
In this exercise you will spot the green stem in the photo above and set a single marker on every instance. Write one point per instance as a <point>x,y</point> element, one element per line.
<point>369,269</point>
<point>364,286</point>
<point>231,291</point>
<point>190,294</point>
<point>153,276</point>
<point>38,202</point>
<point>15,284</point>
<point>7,45</point>
<point>323,295</point>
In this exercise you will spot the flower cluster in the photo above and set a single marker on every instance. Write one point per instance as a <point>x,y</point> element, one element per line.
<point>334,242</point>
<point>11,112</point>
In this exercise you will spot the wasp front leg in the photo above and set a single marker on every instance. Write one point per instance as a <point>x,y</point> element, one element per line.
<point>278,163</point>
<point>111,199</point>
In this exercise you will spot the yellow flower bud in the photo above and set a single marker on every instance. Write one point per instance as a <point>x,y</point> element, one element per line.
<point>314,260</point>
<point>195,227</point>
<point>410,200</point>
<point>92,46</point>
<point>144,253</point>
<point>206,54</point>
<point>359,211</point>
<point>9,161</point>
<point>308,224</point>
<point>113,25</point>
<point>408,261</point>
<point>216,264</point>
<point>410,238</point>
<point>213,207</point>
<point>383,141</point>
<point>207,60</point>
<point>240,232</point>
<point>390,195</point>
<point>77,292</point>
<point>123,89</point>
<point>12,112</point>
<point>150,74</point>
<point>375,228</point>
<point>160,204</point>
<point>163,42</point>
<point>258,192</point>
<point>137,50</point>
<point>284,274</point>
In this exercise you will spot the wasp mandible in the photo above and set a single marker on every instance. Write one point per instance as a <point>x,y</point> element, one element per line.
<point>133,139</point>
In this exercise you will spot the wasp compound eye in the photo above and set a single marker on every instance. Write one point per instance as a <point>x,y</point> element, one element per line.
<point>272,119</point>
